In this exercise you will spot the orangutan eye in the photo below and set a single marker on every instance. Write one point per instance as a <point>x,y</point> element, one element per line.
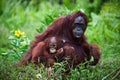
<point>52,45</point>
<point>82,26</point>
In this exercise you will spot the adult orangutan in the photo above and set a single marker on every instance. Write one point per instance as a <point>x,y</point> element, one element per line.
<point>69,28</point>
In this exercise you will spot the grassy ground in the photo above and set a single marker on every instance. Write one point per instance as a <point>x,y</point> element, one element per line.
<point>103,29</point>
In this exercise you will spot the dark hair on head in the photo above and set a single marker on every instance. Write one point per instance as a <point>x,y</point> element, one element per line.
<point>76,14</point>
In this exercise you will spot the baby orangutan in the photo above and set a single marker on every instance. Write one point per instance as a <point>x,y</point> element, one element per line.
<point>51,50</point>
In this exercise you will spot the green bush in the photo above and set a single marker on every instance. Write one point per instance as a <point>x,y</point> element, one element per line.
<point>106,25</point>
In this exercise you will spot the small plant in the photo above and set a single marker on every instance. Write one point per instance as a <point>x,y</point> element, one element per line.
<point>19,43</point>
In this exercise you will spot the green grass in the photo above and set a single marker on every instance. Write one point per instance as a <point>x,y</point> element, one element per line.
<point>103,29</point>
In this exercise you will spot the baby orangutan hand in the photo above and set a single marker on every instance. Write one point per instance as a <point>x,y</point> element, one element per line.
<point>59,51</point>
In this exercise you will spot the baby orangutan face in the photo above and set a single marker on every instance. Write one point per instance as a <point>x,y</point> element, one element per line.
<point>53,45</point>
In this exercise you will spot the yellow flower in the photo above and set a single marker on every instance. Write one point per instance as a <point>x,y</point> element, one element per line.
<point>17,33</point>
<point>23,34</point>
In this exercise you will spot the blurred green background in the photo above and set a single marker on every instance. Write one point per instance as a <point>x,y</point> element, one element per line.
<point>33,16</point>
